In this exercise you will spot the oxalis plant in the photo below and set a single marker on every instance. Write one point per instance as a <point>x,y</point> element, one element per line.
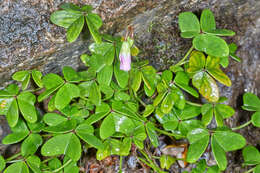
<point>119,107</point>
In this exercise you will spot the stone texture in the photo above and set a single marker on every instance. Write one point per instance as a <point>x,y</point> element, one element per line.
<point>28,40</point>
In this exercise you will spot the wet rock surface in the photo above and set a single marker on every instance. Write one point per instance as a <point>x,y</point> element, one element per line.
<point>28,40</point>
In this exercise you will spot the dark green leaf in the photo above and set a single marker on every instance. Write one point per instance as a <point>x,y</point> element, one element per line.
<point>107,50</point>
<point>135,79</point>
<point>48,92</point>
<point>95,19</point>
<point>149,77</point>
<point>221,32</point>
<point>63,127</point>
<point>12,115</point>
<point>167,76</point>
<point>71,167</point>
<point>94,94</point>
<point>69,6</point>
<point>34,163</point>
<point>52,80</point>
<point>207,113</point>
<point>224,110</point>
<point>122,123</point>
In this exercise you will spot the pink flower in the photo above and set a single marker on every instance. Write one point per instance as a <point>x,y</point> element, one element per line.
<point>125,56</point>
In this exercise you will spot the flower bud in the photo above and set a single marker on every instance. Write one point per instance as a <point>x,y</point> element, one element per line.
<point>125,56</point>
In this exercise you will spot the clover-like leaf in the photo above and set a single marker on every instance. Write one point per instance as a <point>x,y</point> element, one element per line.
<point>189,24</point>
<point>219,154</point>
<point>212,66</point>
<point>2,163</point>
<point>104,77</point>
<point>256,119</point>
<point>206,86</point>
<point>93,28</point>
<point>37,77</point>
<point>65,94</point>
<point>150,129</point>
<point>211,45</point>
<point>75,29</point>
<point>166,161</point>
<point>67,144</point>
<point>31,144</point>
<point>107,50</point>
<point>121,76</point>
<point>26,101</point>
<point>65,18</point>
<point>70,74</point>
<point>20,167</point>
<point>251,155</point>
<point>207,20</point>
<point>199,139</point>
<point>53,119</point>
<point>135,79</point>
<point>251,102</point>
<point>107,127</point>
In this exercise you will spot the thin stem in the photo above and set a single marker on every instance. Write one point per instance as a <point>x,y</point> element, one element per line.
<point>46,160</point>
<point>250,170</point>
<point>193,104</point>
<point>242,126</point>
<point>138,99</point>
<point>167,133</point>
<point>120,164</point>
<point>152,164</point>
<point>14,161</point>
<point>14,156</point>
<point>63,166</point>
<point>185,57</point>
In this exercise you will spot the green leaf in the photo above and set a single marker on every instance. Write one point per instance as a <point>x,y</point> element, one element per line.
<point>121,76</point>
<point>53,119</point>
<point>207,20</point>
<point>65,94</point>
<point>199,139</point>
<point>224,110</point>
<point>251,102</point>
<point>75,29</point>
<point>71,167</point>
<point>256,119</point>
<point>189,112</point>
<point>55,164</point>
<point>167,103</point>
<point>69,6</point>
<point>150,128</point>
<point>52,80</point>
<point>107,50</point>
<point>149,77</point>
<point>126,146</point>
<point>221,32</point>
<point>26,102</point>
<point>12,115</point>
<point>31,144</point>
<point>70,74</point>
<point>37,78</point>
<point>207,113</point>
<point>95,19</point>
<point>122,123</point>
<point>135,79</point>
<point>178,98</point>
<point>85,132</point>
<point>107,127</point>
<point>212,66</point>
<point>20,167</point>
<point>219,154</point>
<point>94,94</point>
<point>159,98</point>
<point>2,163</point>
<point>121,96</point>
<point>213,169</point>
<point>188,22</point>
<point>229,141</point>
<point>224,62</point>
<point>197,62</point>
<point>167,76</point>
<point>67,144</point>
<point>20,75</point>
<point>104,77</point>
<point>93,29</point>
<point>182,80</point>
<point>166,161</point>
<point>211,45</point>
<point>206,86</point>
<point>47,93</point>
<point>65,18</point>
<point>251,155</point>
<point>139,136</point>
<point>96,117</point>
<point>34,163</point>
<point>257,169</point>
<point>148,110</point>
<point>63,127</point>
<point>26,81</point>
